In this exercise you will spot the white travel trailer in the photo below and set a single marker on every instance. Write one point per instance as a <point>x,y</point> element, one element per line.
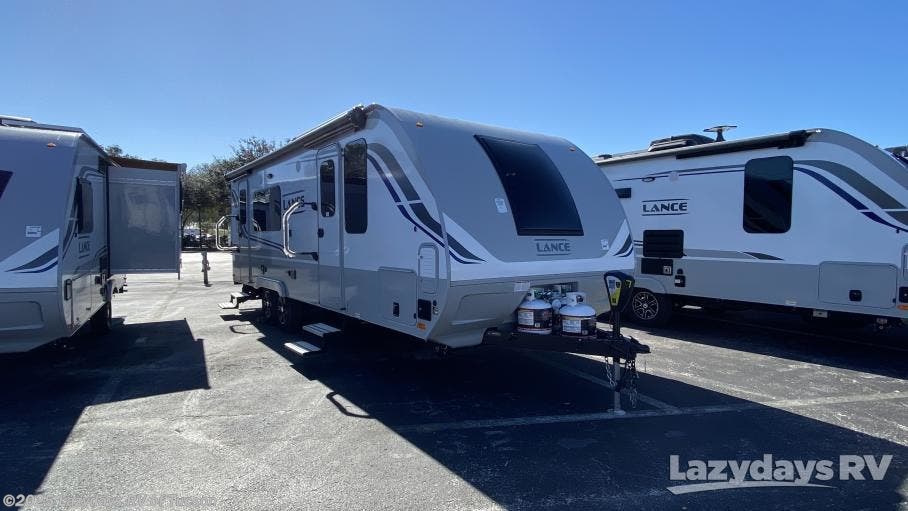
<point>432,227</point>
<point>74,221</point>
<point>814,221</point>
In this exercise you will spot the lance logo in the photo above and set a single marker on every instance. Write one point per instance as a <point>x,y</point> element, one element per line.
<point>665,207</point>
<point>552,246</point>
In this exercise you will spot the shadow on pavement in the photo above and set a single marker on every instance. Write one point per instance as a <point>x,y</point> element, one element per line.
<point>529,435</point>
<point>45,391</point>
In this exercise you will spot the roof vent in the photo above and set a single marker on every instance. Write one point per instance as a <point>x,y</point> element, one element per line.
<point>14,118</point>
<point>676,141</point>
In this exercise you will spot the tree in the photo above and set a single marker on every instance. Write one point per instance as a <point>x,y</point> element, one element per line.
<point>206,196</point>
<point>117,152</point>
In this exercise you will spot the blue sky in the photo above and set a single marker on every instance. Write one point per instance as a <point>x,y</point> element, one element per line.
<point>183,80</point>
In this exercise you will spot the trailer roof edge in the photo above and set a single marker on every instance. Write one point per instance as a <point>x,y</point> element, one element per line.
<point>350,120</point>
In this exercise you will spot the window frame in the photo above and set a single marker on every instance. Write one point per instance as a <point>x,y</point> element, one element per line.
<point>85,223</point>
<point>272,218</point>
<point>323,203</point>
<point>362,205</point>
<point>759,179</point>
<point>517,198</point>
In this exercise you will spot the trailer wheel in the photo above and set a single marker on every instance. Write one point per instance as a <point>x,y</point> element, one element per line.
<point>290,314</point>
<point>270,307</point>
<point>648,308</point>
<point>100,322</point>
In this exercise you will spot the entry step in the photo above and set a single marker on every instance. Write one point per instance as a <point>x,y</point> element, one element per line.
<point>302,347</point>
<point>321,329</point>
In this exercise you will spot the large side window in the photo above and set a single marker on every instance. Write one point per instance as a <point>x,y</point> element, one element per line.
<point>326,182</point>
<point>266,209</point>
<point>355,196</point>
<point>84,207</point>
<point>540,200</point>
<point>242,207</point>
<point>767,194</point>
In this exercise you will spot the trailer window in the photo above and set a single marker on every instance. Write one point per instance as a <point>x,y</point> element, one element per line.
<point>767,194</point>
<point>84,207</point>
<point>266,209</point>
<point>355,196</point>
<point>242,207</point>
<point>326,183</point>
<point>540,200</point>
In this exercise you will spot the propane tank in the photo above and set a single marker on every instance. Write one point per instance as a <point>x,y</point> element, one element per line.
<point>577,318</point>
<point>534,316</point>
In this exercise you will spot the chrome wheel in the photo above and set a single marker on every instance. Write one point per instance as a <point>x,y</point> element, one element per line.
<point>645,305</point>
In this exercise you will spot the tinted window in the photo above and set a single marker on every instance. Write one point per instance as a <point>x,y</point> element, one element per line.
<point>767,194</point>
<point>266,209</point>
<point>242,207</point>
<point>540,200</point>
<point>84,207</point>
<point>355,197</point>
<point>326,182</point>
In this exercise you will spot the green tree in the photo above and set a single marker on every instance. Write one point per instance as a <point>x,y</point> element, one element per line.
<point>206,196</point>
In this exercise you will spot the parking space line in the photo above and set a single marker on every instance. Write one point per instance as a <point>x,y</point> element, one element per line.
<point>816,335</point>
<point>593,379</point>
<point>783,404</point>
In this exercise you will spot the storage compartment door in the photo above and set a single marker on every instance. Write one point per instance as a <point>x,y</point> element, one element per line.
<point>144,220</point>
<point>859,284</point>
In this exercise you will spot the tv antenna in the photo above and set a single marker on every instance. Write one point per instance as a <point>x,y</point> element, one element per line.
<point>720,130</point>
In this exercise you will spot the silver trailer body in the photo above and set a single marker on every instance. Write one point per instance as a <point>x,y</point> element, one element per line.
<point>815,220</point>
<point>403,220</point>
<point>72,219</point>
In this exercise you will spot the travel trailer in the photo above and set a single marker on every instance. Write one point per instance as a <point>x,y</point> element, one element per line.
<point>429,226</point>
<point>74,221</point>
<point>814,221</point>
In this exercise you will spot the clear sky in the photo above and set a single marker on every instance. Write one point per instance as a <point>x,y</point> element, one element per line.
<point>182,80</point>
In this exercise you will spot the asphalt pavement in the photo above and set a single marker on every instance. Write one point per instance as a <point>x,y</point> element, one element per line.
<point>188,406</point>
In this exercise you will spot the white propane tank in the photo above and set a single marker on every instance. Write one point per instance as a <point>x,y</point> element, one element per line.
<point>534,316</point>
<point>577,318</point>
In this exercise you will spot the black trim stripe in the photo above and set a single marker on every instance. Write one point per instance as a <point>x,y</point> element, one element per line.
<point>5,176</point>
<point>429,225</point>
<point>396,171</point>
<point>419,209</point>
<point>767,257</point>
<point>628,245</point>
<point>39,261</point>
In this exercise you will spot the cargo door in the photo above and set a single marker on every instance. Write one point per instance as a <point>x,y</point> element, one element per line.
<point>330,249</point>
<point>144,209</point>
<point>859,284</point>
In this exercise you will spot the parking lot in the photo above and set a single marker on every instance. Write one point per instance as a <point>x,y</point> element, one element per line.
<point>185,405</point>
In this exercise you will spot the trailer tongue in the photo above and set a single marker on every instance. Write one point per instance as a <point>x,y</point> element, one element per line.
<point>609,344</point>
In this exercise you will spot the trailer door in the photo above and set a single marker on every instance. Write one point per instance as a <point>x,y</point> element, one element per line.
<point>330,208</point>
<point>144,212</point>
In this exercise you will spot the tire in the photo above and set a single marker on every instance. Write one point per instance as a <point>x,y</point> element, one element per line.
<point>100,322</point>
<point>270,307</point>
<point>290,314</point>
<point>649,308</point>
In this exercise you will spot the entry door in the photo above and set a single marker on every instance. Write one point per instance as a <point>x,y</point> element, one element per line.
<point>239,231</point>
<point>330,242</point>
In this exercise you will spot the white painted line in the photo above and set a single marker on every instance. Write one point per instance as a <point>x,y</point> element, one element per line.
<point>809,334</point>
<point>782,404</point>
<point>598,381</point>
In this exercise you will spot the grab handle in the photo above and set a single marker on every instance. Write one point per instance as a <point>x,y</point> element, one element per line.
<point>217,235</point>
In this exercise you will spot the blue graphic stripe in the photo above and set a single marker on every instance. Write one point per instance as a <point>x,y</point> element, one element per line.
<point>41,270</point>
<point>834,187</point>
